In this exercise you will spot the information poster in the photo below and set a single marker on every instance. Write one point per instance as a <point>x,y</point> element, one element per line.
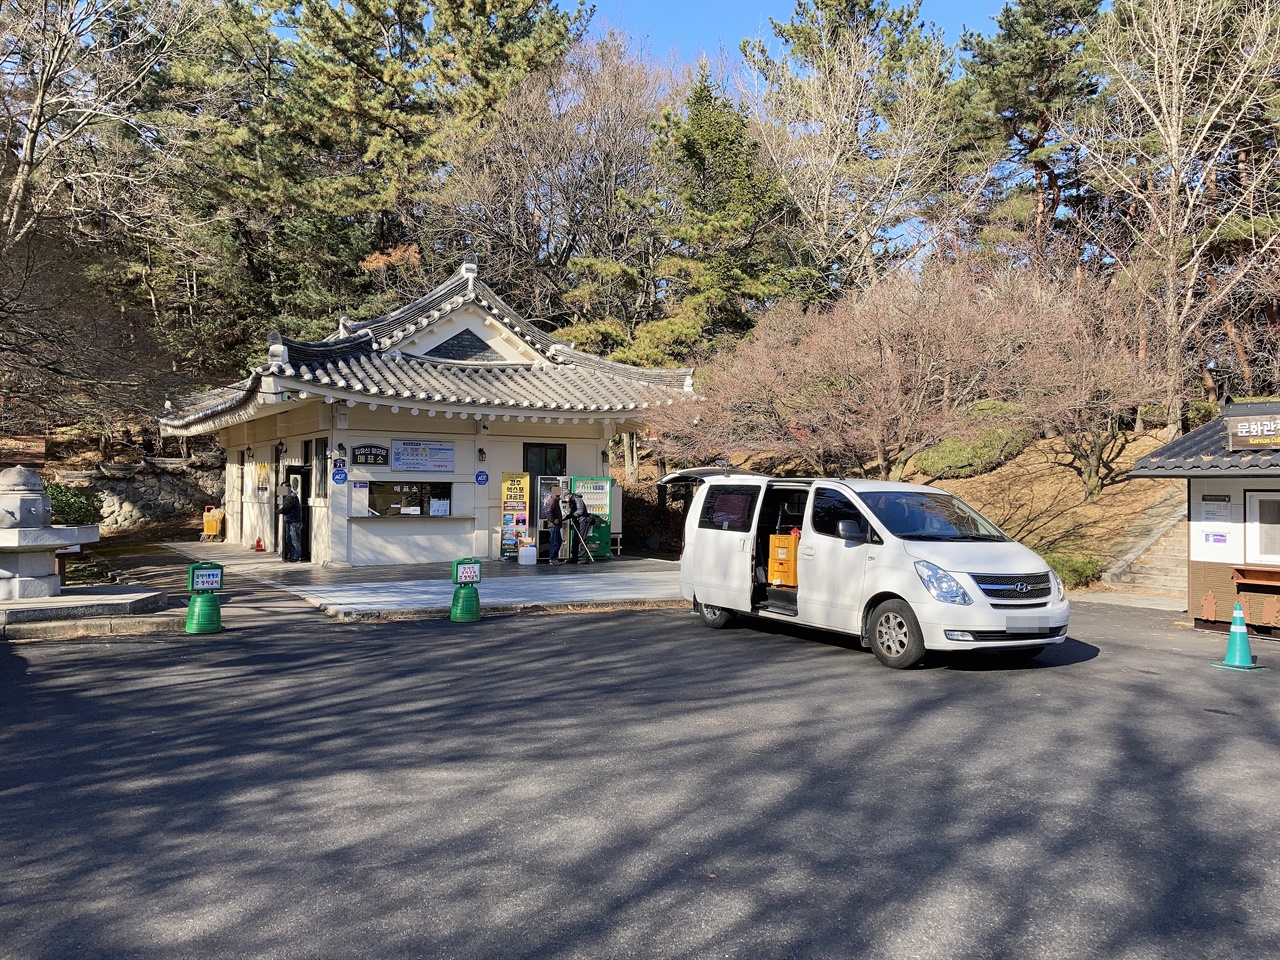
<point>515,514</point>
<point>423,456</point>
<point>596,493</point>
<point>1217,527</point>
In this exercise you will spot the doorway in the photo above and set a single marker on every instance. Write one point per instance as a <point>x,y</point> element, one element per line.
<point>299,479</point>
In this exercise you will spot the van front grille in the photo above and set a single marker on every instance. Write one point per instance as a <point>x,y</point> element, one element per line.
<point>1013,586</point>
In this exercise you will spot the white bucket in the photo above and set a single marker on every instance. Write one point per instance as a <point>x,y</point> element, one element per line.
<point>528,555</point>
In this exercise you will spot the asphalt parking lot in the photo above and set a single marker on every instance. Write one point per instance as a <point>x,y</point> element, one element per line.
<point>631,784</point>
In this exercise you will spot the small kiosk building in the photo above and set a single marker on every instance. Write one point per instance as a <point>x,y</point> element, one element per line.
<point>420,436</point>
<point>1232,469</point>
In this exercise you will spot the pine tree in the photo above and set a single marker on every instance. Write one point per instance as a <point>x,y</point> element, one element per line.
<point>1015,84</point>
<point>721,219</point>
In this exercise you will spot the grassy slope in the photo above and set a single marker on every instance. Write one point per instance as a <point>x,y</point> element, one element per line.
<point>1036,500</point>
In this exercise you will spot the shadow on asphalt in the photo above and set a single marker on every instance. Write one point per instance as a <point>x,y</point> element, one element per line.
<point>1070,651</point>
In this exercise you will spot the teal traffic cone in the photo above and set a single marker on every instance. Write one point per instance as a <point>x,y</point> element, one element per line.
<point>1238,656</point>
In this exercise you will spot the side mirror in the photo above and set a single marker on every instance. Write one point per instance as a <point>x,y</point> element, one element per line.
<point>852,531</point>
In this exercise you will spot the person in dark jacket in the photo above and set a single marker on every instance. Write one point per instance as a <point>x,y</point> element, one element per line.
<point>291,510</point>
<point>579,517</point>
<point>555,523</point>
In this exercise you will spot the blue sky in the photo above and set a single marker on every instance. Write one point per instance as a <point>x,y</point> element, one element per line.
<point>690,26</point>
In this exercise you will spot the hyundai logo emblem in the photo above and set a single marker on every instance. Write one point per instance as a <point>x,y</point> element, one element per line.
<point>1021,586</point>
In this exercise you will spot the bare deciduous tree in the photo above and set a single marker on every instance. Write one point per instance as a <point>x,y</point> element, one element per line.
<point>554,193</point>
<point>860,388</point>
<point>74,79</point>
<point>861,150</point>
<point>1182,149</point>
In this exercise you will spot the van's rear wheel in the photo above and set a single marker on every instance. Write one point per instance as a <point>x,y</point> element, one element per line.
<point>713,616</point>
<point>896,639</point>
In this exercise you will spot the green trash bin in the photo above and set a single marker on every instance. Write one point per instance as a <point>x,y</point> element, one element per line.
<point>204,613</point>
<point>466,598</point>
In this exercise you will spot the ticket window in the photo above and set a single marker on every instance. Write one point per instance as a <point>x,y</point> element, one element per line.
<point>410,499</point>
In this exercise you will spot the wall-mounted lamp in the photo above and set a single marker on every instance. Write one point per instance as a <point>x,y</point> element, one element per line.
<point>480,454</point>
<point>248,453</point>
<point>280,449</point>
<point>342,449</point>
<point>604,456</point>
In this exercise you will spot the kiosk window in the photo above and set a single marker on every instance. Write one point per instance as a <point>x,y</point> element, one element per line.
<point>321,472</point>
<point>1262,532</point>
<point>546,459</point>
<point>400,499</point>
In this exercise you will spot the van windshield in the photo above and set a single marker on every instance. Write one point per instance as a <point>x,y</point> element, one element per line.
<point>913,515</point>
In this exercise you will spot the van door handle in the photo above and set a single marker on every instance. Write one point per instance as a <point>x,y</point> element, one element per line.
<point>806,552</point>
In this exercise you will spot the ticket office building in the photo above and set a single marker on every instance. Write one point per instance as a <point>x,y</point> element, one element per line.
<point>396,433</point>
<point>1232,469</point>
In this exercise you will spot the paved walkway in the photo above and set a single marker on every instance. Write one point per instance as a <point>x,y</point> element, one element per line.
<point>259,587</point>
<point>356,592</point>
<point>426,590</point>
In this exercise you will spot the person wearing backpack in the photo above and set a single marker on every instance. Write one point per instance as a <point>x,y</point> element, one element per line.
<point>575,511</point>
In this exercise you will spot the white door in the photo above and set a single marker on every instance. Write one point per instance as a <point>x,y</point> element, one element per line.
<point>722,549</point>
<point>830,569</point>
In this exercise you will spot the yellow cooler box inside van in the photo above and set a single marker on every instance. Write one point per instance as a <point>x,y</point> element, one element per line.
<point>782,560</point>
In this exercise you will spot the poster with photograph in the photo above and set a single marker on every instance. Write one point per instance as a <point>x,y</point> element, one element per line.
<point>515,514</point>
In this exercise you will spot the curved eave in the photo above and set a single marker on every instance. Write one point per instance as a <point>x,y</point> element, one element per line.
<point>1206,473</point>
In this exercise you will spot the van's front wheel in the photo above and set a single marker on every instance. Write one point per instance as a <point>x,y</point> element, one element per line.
<point>895,635</point>
<point>713,616</point>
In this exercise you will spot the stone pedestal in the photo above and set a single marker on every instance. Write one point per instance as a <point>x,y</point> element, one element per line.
<point>27,539</point>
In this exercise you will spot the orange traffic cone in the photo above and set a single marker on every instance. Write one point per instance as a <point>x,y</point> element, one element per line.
<point>258,547</point>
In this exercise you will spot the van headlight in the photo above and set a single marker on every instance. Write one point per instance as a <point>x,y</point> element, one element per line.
<point>942,585</point>
<point>1057,586</point>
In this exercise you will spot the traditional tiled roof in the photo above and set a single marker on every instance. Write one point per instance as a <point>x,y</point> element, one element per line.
<point>1204,451</point>
<point>363,362</point>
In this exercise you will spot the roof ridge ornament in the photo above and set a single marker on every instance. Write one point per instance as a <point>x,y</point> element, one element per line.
<point>277,352</point>
<point>469,270</point>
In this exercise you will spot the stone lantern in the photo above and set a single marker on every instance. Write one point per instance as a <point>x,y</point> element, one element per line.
<point>29,540</point>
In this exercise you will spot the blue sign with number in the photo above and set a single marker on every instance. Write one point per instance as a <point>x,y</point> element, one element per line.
<point>481,477</point>
<point>339,477</point>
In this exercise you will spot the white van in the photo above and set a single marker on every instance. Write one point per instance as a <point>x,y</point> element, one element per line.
<point>906,568</point>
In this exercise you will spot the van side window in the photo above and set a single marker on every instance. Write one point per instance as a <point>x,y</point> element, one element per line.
<point>829,508</point>
<point>729,507</point>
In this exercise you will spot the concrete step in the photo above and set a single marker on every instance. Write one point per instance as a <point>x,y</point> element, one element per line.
<point>1155,584</point>
<point>1158,563</point>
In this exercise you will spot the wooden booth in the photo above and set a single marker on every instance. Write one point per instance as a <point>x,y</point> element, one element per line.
<point>1232,469</point>
<point>420,436</point>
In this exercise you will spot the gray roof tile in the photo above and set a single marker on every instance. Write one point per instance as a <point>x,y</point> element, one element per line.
<point>364,363</point>
<point>1203,452</point>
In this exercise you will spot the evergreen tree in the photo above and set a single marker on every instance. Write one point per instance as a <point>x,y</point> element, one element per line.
<point>721,220</point>
<point>1016,83</point>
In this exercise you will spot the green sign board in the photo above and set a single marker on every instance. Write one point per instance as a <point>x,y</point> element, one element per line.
<point>204,577</point>
<point>466,571</point>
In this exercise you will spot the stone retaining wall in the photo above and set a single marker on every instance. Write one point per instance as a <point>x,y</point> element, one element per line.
<point>156,489</point>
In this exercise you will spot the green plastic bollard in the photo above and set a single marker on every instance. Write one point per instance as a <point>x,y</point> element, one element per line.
<point>204,614</point>
<point>466,604</point>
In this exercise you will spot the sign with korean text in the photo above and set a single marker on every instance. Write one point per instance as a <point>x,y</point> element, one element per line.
<point>1253,433</point>
<point>423,456</point>
<point>370,455</point>
<point>203,577</point>
<point>515,514</point>
<point>466,571</point>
